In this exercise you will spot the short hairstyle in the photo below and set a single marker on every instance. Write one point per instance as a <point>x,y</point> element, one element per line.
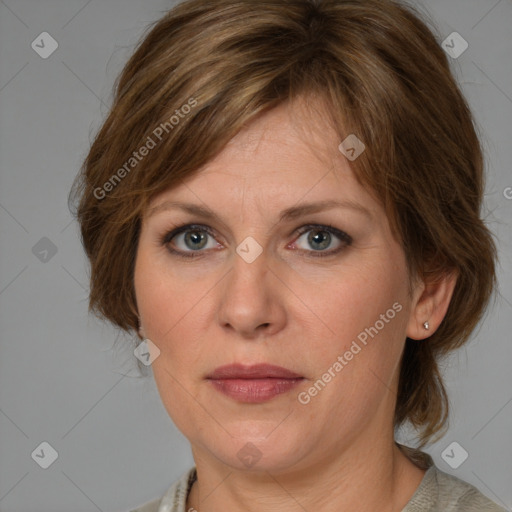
<point>205,69</point>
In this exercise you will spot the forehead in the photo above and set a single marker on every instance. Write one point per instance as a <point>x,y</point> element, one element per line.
<point>289,148</point>
<point>291,131</point>
<point>285,158</point>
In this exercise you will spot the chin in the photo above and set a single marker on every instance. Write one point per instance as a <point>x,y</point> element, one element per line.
<point>261,449</point>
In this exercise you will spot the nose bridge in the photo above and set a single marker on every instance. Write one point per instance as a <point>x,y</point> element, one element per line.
<point>247,279</point>
<point>247,301</point>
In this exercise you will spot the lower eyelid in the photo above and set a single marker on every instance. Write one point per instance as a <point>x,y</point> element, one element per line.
<point>325,253</point>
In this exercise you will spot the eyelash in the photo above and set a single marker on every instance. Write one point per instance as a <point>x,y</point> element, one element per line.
<point>341,235</point>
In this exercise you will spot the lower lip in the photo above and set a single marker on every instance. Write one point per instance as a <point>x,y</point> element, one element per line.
<point>254,390</point>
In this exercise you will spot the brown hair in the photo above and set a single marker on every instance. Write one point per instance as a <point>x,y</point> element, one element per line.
<point>207,68</point>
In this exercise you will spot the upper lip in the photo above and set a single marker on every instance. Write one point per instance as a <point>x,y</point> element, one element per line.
<point>257,371</point>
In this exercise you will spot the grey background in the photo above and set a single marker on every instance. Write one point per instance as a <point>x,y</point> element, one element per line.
<point>68,379</point>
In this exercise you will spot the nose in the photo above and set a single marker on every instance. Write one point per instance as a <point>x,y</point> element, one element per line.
<point>252,299</point>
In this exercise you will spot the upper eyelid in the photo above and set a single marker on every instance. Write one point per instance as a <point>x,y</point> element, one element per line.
<point>328,228</point>
<point>170,234</point>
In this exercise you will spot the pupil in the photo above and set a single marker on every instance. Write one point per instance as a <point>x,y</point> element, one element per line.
<point>322,238</point>
<point>196,237</point>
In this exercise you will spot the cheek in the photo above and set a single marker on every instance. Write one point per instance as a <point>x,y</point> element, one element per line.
<point>171,307</point>
<point>355,371</point>
<point>342,308</point>
<point>166,308</point>
<point>363,316</point>
<point>164,298</point>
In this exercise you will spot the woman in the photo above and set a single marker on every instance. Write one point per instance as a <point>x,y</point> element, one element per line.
<point>284,204</point>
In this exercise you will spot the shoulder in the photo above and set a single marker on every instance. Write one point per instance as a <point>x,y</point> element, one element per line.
<point>442,491</point>
<point>175,499</point>
<point>462,495</point>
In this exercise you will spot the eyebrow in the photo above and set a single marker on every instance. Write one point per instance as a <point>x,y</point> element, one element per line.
<point>291,213</point>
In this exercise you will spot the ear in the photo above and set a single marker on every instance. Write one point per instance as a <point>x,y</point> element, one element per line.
<point>431,299</point>
<point>142,333</point>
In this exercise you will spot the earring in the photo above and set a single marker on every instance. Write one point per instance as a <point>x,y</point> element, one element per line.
<point>426,326</point>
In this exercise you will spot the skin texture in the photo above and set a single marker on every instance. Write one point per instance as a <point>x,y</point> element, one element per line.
<point>287,308</point>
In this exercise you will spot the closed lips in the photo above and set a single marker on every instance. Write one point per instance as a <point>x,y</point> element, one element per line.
<point>259,371</point>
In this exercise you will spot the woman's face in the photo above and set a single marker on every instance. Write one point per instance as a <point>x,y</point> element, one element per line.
<point>286,261</point>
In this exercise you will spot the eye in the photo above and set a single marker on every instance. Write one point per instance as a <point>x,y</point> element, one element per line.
<point>319,238</point>
<point>190,239</point>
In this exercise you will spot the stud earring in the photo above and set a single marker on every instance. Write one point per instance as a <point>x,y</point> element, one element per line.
<point>426,325</point>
